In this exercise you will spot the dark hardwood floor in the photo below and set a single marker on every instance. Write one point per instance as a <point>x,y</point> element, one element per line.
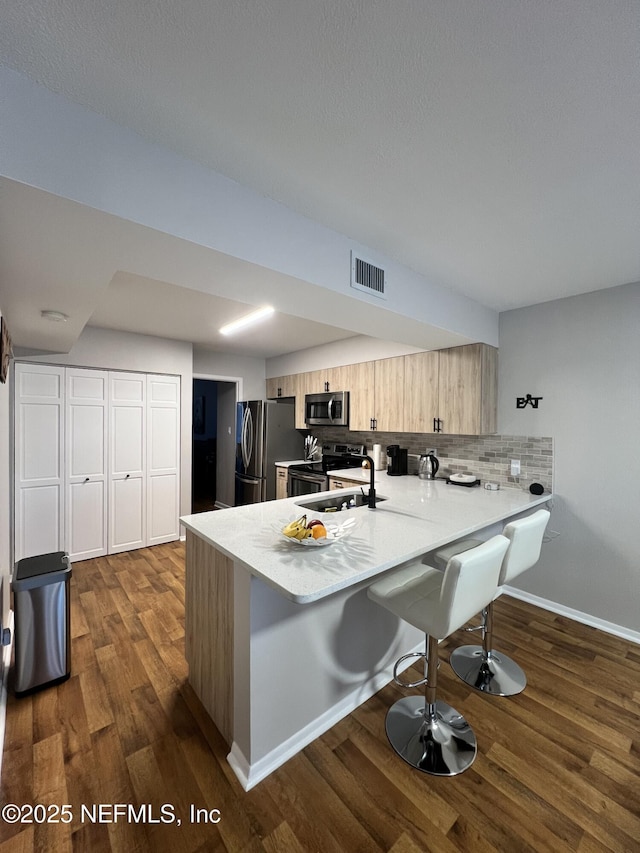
<point>558,767</point>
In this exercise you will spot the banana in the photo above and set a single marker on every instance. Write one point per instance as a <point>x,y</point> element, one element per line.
<point>304,533</point>
<point>296,529</point>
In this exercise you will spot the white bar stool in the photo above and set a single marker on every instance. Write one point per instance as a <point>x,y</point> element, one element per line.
<point>428,734</point>
<point>481,667</point>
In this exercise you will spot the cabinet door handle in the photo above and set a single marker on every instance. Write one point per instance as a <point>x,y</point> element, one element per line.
<point>86,479</point>
<point>127,476</point>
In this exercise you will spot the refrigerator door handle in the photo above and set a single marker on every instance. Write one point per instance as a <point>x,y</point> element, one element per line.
<point>253,481</point>
<point>243,438</point>
<point>250,431</point>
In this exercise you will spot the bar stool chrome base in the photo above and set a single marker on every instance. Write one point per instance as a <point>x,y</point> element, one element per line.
<point>489,672</point>
<point>433,738</point>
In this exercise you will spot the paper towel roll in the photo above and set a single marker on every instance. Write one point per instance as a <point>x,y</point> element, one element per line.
<point>378,459</point>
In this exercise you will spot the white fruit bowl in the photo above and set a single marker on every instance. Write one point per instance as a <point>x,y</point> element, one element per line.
<point>335,532</point>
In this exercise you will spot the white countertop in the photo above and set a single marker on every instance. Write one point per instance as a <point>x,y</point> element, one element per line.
<point>361,475</point>
<point>419,516</point>
<point>295,462</point>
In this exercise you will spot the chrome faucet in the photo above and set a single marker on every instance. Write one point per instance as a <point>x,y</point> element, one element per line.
<point>372,490</point>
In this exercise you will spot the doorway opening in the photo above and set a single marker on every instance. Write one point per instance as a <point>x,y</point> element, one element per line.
<point>213,444</point>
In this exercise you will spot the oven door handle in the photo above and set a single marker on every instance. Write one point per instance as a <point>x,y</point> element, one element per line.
<point>308,478</point>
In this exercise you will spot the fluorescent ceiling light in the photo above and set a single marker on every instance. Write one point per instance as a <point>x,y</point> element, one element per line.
<point>247,320</point>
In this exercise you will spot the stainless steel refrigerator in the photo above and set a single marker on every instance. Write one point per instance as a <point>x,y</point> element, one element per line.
<point>265,434</point>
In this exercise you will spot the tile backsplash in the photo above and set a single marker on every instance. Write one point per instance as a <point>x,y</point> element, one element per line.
<point>487,456</point>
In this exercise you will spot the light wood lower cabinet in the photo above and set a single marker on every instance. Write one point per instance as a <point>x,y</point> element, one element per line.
<point>336,483</point>
<point>282,475</point>
<point>209,625</point>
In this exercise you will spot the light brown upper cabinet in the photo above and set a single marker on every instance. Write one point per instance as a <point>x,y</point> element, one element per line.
<point>293,385</point>
<point>451,391</point>
<point>467,390</point>
<point>377,396</point>
<point>330,379</point>
<point>312,382</point>
<point>361,395</point>
<point>281,386</point>
<point>421,375</point>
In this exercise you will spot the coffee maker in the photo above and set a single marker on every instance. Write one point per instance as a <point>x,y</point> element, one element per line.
<point>397,460</point>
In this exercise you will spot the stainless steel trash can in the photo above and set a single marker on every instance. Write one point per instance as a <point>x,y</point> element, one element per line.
<point>42,621</point>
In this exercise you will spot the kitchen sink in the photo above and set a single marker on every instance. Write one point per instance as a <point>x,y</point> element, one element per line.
<point>335,504</point>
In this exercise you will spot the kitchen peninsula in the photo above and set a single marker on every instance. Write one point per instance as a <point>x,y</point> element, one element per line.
<point>281,639</point>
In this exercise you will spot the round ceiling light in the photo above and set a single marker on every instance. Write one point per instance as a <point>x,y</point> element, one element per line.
<point>55,316</point>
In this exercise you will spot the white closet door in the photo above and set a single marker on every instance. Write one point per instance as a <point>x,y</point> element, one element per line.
<point>127,434</point>
<point>163,458</point>
<point>39,448</point>
<point>86,462</point>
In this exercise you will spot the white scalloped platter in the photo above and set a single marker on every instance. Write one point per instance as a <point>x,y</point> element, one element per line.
<point>335,532</point>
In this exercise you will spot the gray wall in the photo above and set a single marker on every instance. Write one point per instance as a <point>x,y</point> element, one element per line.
<point>248,371</point>
<point>5,500</point>
<point>582,356</point>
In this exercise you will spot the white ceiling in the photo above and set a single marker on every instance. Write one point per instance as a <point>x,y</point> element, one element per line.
<point>494,147</point>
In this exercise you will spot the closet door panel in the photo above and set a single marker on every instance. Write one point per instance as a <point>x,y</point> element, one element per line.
<point>40,457</point>
<point>87,446</point>
<point>86,513</point>
<point>86,462</point>
<point>127,442</point>
<point>38,460</point>
<point>39,530</point>
<point>163,508</point>
<point>163,459</point>
<point>126,520</point>
<point>163,440</point>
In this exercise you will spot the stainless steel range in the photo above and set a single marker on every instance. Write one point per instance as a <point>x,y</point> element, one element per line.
<point>312,477</point>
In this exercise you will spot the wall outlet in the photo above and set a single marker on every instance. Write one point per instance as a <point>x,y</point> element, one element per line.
<point>515,467</point>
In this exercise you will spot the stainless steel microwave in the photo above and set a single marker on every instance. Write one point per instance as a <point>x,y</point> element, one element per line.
<point>330,408</point>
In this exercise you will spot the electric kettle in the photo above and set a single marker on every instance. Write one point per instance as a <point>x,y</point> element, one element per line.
<point>428,466</point>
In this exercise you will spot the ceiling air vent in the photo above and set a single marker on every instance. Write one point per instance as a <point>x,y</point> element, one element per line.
<point>366,276</point>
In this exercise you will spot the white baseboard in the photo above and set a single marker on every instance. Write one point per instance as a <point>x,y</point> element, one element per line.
<point>576,615</point>
<point>250,774</point>
<point>5,663</point>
